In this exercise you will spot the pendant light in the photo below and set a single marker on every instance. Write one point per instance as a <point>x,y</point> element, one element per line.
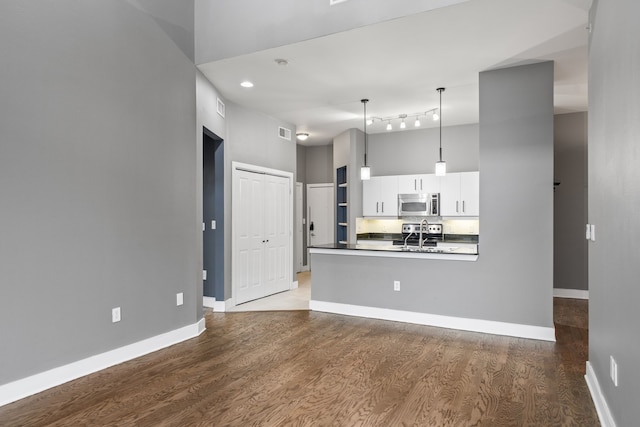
<point>365,171</point>
<point>441,165</point>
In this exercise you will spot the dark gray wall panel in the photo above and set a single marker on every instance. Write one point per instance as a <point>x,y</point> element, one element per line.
<point>570,202</point>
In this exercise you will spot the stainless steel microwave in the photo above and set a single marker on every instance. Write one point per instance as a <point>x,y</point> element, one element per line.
<point>419,204</point>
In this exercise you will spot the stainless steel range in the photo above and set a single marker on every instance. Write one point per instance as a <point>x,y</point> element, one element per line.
<point>431,234</point>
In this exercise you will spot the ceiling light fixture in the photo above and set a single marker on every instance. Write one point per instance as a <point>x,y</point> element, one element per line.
<point>365,171</point>
<point>302,136</point>
<point>246,84</point>
<point>403,119</point>
<point>441,165</point>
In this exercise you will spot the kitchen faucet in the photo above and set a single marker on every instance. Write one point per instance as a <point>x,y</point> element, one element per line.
<point>424,221</point>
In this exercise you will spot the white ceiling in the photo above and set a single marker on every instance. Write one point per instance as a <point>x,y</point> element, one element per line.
<point>399,64</point>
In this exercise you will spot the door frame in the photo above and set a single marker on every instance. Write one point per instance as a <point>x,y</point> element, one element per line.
<point>235,167</point>
<point>299,228</point>
<point>320,185</point>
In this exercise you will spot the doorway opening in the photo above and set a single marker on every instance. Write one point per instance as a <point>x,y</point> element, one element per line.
<point>213,214</point>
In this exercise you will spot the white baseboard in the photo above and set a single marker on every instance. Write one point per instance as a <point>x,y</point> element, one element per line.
<point>305,267</point>
<point>570,293</point>
<point>294,285</point>
<point>606,418</point>
<point>24,387</point>
<point>474,325</point>
<point>221,306</point>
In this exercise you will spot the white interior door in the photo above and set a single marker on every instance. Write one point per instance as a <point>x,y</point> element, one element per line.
<point>320,214</point>
<point>277,229</point>
<point>249,246</point>
<point>262,232</point>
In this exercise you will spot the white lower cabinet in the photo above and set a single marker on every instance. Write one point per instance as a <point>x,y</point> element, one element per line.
<point>460,194</point>
<point>380,196</point>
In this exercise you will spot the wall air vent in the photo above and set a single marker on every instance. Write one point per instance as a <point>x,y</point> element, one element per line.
<point>284,133</point>
<point>220,107</point>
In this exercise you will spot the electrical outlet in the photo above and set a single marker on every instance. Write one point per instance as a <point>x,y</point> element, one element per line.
<point>396,285</point>
<point>115,315</point>
<point>613,370</point>
<point>593,233</point>
<point>179,298</point>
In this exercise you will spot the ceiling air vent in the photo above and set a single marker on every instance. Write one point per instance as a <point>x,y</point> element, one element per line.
<point>334,2</point>
<point>284,133</point>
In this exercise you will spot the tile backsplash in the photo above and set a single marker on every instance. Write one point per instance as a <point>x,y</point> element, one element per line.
<point>449,226</point>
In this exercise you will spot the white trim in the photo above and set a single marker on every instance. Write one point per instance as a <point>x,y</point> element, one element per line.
<point>570,293</point>
<point>220,306</point>
<point>606,418</point>
<point>474,325</point>
<point>28,386</point>
<point>294,285</point>
<point>305,268</point>
<point>209,302</point>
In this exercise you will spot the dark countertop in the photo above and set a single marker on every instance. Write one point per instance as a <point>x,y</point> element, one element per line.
<point>397,248</point>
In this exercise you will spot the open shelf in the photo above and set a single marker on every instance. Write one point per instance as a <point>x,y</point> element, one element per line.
<point>342,221</point>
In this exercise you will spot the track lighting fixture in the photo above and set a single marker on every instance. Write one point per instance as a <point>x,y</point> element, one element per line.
<point>403,119</point>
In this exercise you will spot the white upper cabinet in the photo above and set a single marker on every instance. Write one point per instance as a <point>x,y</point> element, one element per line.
<point>460,194</point>
<point>380,196</point>
<point>427,183</point>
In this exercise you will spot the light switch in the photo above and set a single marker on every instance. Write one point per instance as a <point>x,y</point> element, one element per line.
<point>588,232</point>
<point>593,233</point>
<point>213,224</point>
<point>179,298</point>
<point>204,274</point>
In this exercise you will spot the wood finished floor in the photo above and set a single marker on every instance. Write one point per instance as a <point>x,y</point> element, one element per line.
<point>304,368</point>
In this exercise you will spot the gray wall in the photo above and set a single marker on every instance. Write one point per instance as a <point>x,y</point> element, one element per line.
<point>570,202</point>
<point>207,116</point>
<point>252,138</point>
<point>512,281</point>
<point>319,161</point>
<point>97,173</point>
<point>416,151</point>
<point>614,202</point>
<point>282,22</point>
<point>516,188</point>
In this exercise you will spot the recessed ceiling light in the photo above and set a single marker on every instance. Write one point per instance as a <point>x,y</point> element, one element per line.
<point>246,83</point>
<point>302,136</point>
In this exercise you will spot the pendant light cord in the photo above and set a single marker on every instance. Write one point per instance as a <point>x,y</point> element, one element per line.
<point>364,102</point>
<point>440,89</point>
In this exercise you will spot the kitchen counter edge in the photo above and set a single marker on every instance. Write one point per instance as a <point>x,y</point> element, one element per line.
<point>460,254</point>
